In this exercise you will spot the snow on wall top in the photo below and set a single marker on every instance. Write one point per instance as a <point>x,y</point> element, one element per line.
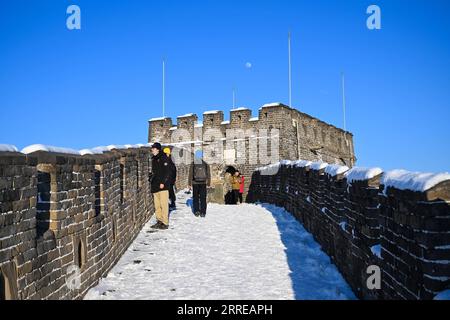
<point>211,112</point>
<point>360,174</point>
<point>335,169</point>
<point>302,163</point>
<point>96,150</point>
<point>254,119</point>
<point>8,148</point>
<point>273,104</point>
<point>186,115</point>
<point>41,147</point>
<point>415,181</point>
<point>240,109</point>
<point>318,165</point>
<point>158,119</point>
<point>225,122</point>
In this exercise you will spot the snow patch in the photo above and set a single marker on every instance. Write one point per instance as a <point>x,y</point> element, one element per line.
<point>335,169</point>
<point>225,122</point>
<point>8,148</point>
<point>415,181</point>
<point>240,109</point>
<point>211,112</point>
<point>158,119</point>
<point>360,174</point>
<point>186,115</point>
<point>302,163</point>
<point>253,119</point>
<point>274,104</point>
<point>318,165</point>
<point>41,147</point>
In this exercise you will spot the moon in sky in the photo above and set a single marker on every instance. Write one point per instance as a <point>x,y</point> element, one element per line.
<point>248,65</point>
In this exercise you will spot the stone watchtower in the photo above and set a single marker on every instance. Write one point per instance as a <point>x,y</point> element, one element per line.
<point>301,136</point>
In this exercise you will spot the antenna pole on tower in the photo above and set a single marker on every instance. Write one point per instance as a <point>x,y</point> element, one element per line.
<point>164,87</point>
<point>343,101</point>
<point>234,98</point>
<point>290,70</point>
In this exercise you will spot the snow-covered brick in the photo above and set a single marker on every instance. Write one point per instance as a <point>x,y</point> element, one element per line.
<point>444,295</point>
<point>158,119</point>
<point>302,163</point>
<point>376,250</point>
<point>211,112</point>
<point>240,109</point>
<point>41,147</point>
<point>8,148</point>
<point>173,129</point>
<point>273,104</point>
<point>253,119</point>
<point>225,122</point>
<point>318,165</point>
<point>360,174</point>
<point>335,169</point>
<point>415,181</point>
<point>186,115</point>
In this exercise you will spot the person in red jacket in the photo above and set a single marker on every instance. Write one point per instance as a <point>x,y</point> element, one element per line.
<point>241,189</point>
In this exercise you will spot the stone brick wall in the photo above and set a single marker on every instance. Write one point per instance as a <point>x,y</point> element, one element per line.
<point>301,137</point>
<point>59,212</point>
<point>351,220</point>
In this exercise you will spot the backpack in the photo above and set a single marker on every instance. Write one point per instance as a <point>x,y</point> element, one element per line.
<point>200,174</point>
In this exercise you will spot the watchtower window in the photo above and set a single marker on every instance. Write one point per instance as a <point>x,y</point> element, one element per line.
<point>43,202</point>
<point>265,114</point>
<point>80,254</point>
<point>239,117</point>
<point>138,177</point>
<point>122,182</point>
<point>161,125</point>
<point>97,192</point>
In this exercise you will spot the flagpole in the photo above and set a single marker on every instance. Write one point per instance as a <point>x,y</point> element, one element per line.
<point>290,71</point>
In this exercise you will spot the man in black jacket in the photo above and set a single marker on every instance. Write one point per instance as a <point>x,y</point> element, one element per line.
<point>160,186</point>
<point>199,179</point>
<point>172,179</point>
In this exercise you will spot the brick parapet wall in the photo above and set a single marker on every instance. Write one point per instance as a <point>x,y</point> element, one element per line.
<point>350,220</point>
<point>58,211</point>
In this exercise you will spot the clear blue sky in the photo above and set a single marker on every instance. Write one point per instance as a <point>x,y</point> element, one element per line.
<point>100,85</point>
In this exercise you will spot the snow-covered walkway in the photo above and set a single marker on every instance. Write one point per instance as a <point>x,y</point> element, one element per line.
<point>236,252</point>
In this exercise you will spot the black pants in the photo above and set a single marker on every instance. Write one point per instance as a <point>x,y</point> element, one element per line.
<point>172,196</point>
<point>199,198</point>
<point>236,196</point>
<point>240,197</point>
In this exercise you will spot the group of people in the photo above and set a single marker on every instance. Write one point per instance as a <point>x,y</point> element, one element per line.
<point>163,178</point>
<point>233,186</point>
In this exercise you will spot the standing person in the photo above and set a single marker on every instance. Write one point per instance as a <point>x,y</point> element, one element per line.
<point>172,179</point>
<point>241,189</point>
<point>199,179</point>
<point>228,186</point>
<point>160,186</point>
<point>236,184</point>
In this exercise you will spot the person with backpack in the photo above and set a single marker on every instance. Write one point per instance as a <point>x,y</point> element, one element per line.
<point>172,179</point>
<point>160,181</point>
<point>199,179</point>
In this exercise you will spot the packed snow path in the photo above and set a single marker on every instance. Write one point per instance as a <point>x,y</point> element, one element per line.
<point>236,252</point>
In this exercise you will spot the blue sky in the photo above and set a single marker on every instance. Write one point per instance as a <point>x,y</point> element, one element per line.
<point>99,85</point>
